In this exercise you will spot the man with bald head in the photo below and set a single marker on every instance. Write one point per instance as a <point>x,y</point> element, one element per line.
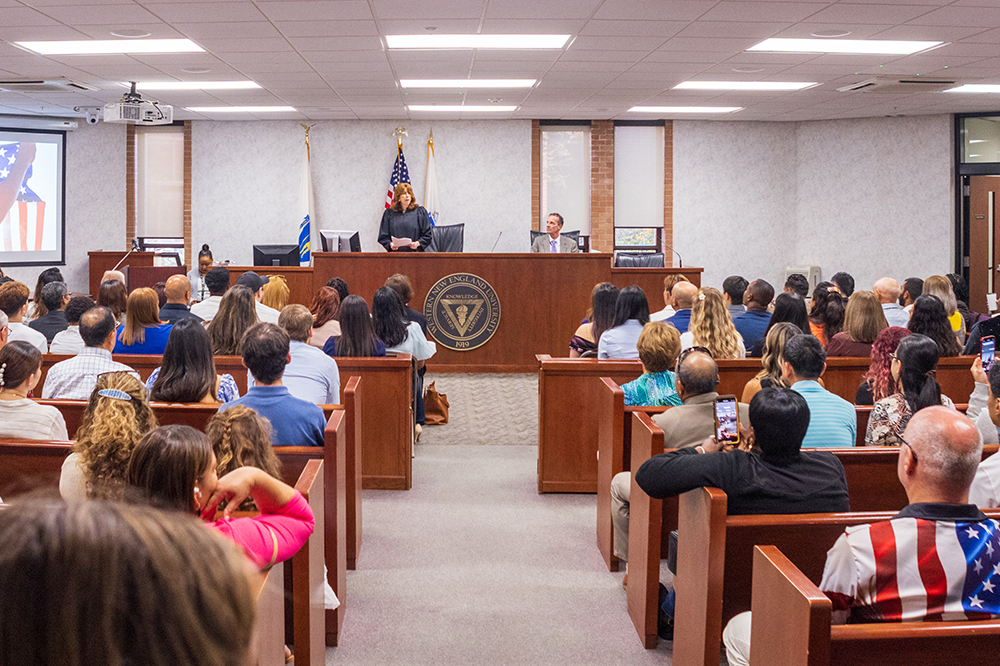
<point>887,290</point>
<point>937,559</point>
<point>178,292</point>
<point>682,300</point>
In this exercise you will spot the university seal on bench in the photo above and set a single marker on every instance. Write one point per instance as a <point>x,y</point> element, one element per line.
<point>462,311</point>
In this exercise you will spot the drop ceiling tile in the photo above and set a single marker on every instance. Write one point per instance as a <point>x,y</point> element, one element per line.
<point>206,12</point>
<point>856,30</point>
<point>229,29</point>
<point>662,29</point>
<point>443,26</point>
<point>532,9</point>
<point>112,15</point>
<point>518,69</point>
<point>708,45</point>
<point>364,43</point>
<point>344,56</point>
<point>617,43</point>
<point>763,11</point>
<point>280,78</point>
<point>747,58</point>
<point>428,9</point>
<point>889,12</point>
<point>326,28</point>
<point>353,66</point>
<point>296,10</point>
<point>238,58</point>
<point>221,45</point>
<point>131,72</point>
<point>571,66</point>
<point>39,33</point>
<point>56,3</point>
<point>259,68</point>
<point>592,56</point>
<point>757,31</point>
<point>560,26</point>
<point>18,16</point>
<point>671,10</point>
<point>961,16</point>
<point>670,68</point>
<point>931,33</point>
<point>540,56</point>
<point>684,57</point>
<point>431,71</point>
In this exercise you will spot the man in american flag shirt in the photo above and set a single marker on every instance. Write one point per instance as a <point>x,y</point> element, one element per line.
<point>936,560</point>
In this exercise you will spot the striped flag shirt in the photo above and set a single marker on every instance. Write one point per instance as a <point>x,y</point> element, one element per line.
<point>400,174</point>
<point>27,213</point>
<point>932,562</point>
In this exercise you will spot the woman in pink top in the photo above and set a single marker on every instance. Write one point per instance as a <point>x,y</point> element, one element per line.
<point>175,466</point>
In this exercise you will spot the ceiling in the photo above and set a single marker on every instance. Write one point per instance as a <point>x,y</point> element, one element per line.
<point>327,58</point>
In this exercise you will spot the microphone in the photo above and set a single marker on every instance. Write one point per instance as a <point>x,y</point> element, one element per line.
<point>680,262</point>
<point>497,241</point>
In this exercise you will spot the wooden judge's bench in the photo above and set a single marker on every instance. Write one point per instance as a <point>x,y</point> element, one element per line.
<point>543,297</point>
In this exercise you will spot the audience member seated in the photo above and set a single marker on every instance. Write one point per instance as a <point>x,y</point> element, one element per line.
<point>603,299</point>
<point>878,382</point>
<point>255,283</point>
<point>685,426</point>
<point>69,341</point>
<point>712,328</point>
<point>178,293</point>
<point>659,345</point>
<point>682,298</point>
<point>984,411</point>
<point>797,284</point>
<point>14,304</point>
<point>822,295</point>
<point>310,374</point>
<point>161,294</point>
<point>790,308</point>
<point>914,366</point>
<point>241,438</point>
<point>357,334</point>
<point>324,310</point>
<point>768,475</point>
<point>341,287</point>
<point>113,276</point>
<point>401,284</point>
<point>276,293</point>
<point>21,417</point>
<point>235,317</point>
<point>961,289</point>
<point>931,319</point>
<point>295,422</point>
<point>863,321</point>
<point>216,283</point>
<point>116,418</point>
<point>733,289</point>
<point>188,370</point>
<point>911,289</point>
<point>114,296</point>
<point>752,324</point>
<point>4,329</point>
<point>887,292</point>
<point>142,332</point>
<point>75,378</point>
<point>631,314</point>
<point>668,287</point>
<point>176,469</point>
<point>844,283</point>
<point>832,421</point>
<point>38,307</point>
<point>108,583</point>
<point>55,297</point>
<point>940,286</point>
<point>771,373</point>
<point>926,563</point>
<point>395,331</point>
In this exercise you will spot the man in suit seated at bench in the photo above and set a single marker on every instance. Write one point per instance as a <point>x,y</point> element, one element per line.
<point>936,560</point>
<point>294,422</point>
<point>75,378</point>
<point>773,477</point>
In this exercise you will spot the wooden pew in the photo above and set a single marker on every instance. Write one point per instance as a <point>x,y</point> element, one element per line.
<point>144,364</point>
<point>27,464</point>
<point>791,627</point>
<point>309,633</point>
<point>269,634</point>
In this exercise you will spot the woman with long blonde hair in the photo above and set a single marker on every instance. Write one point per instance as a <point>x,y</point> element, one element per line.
<point>404,219</point>
<point>940,286</point>
<point>275,292</point>
<point>117,417</point>
<point>770,374</point>
<point>712,327</point>
<point>142,332</point>
<point>237,313</point>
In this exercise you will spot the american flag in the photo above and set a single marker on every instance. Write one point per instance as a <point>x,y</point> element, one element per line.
<point>911,569</point>
<point>400,174</point>
<point>28,206</point>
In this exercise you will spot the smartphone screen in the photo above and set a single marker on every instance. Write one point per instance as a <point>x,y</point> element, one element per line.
<point>986,351</point>
<point>727,420</point>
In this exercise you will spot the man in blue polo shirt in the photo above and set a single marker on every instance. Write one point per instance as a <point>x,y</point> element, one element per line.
<point>294,422</point>
<point>832,421</point>
<point>752,324</point>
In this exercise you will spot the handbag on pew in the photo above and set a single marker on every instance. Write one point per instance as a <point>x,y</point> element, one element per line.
<point>435,406</point>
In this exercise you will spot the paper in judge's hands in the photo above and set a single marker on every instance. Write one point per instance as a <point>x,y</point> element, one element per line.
<point>397,243</point>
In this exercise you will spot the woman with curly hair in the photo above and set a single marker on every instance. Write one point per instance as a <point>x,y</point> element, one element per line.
<point>116,418</point>
<point>142,332</point>
<point>821,295</point>
<point>877,382</point>
<point>770,374</point>
<point>712,327</point>
<point>930,318</point>
<point>324,309</point>
<point>237,313</point>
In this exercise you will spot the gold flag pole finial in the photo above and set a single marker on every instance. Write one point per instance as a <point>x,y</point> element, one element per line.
<point>431,140</point>
<point>399,133</point>
<point>307,128</point>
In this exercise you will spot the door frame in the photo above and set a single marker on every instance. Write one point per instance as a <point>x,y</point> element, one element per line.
<point>962,173</point>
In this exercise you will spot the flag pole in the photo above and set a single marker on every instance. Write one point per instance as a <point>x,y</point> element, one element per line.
<point>306,202</point>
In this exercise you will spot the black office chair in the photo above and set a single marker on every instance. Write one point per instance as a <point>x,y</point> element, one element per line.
<point>639,260</point>
<point>449,238</point>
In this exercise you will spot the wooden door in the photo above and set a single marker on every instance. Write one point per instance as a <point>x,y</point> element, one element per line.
<point>984,250</point>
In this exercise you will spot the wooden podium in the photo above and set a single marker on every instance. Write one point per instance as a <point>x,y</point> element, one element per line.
<point>101,261</point>
<point>137,277</point>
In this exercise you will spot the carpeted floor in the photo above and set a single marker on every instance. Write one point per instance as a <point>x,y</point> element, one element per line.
<point>473,566</point>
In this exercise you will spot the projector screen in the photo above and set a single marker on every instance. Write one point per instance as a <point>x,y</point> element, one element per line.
<point>32,190</point>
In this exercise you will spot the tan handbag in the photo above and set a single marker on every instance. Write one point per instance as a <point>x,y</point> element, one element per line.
<point>435,406</point>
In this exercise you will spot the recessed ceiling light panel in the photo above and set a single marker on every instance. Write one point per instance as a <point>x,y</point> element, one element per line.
<point>685,109</point>
<point>476,41</point>
<point>976,88</point>
<point>744,85</point>
<point>193,85</point>
<point>239,109</point>
<point>855,46</point>
<point>112,46</point>
<point>460,108</point>
<point>467,83</point>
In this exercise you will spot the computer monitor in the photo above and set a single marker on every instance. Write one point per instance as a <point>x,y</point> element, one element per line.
<point>340,241</point>
<point>276,255</point>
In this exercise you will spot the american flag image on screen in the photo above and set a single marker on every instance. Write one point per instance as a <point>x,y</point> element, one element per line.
<point>28,209</point>
<point>400,174</point>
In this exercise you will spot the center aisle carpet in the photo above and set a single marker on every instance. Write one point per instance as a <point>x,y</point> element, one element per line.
<point>497,409</point>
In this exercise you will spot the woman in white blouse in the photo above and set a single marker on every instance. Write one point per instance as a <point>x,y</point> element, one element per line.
<point>20,416</point>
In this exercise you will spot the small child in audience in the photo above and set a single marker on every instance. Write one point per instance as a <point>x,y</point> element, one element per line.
<point>242,438</point>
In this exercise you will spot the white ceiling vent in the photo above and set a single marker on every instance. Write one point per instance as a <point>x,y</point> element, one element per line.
<point>880,84</point>
<point>42,86</point>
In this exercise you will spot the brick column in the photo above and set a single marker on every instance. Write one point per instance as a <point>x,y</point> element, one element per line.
<point>668,189</point>
<point>130,187</point>
<point>191,259</point>
<point>602,185</point>
<point>536,175</point>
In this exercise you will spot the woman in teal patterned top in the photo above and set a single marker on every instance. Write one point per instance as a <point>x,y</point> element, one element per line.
<point>658,345</point>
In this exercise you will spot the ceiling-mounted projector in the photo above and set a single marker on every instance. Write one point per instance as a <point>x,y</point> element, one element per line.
<point>132,109</point>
